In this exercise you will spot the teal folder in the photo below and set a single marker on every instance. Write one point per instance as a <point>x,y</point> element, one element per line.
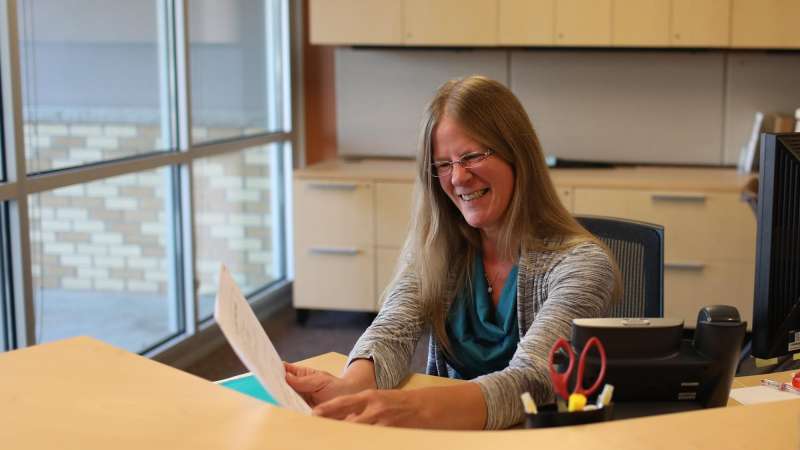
<point>248,384</point>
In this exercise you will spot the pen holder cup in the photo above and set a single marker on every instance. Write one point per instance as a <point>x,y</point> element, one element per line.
<point>548,416</point>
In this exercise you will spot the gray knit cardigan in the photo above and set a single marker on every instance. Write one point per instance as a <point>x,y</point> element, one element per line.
<point>553,287</point>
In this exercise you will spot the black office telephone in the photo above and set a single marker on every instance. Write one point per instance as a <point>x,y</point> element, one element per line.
<point>648,360</point>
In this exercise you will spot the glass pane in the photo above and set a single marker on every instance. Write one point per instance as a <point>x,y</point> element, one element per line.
<point>3,177</point>
<point>237,220</point>
<point>94,81</point>
<point>5,274</point>
<point>236,64</point>
<point>101,260</point>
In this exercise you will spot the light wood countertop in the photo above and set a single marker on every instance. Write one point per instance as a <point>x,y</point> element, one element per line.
<point>639,177</point>
<point>83,394</point>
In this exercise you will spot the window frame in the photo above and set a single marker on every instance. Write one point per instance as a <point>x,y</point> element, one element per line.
<point>182,153</point>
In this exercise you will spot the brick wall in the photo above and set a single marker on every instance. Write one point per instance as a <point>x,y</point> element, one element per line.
<point>112,235</point>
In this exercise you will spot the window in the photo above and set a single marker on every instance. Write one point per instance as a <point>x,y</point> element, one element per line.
<point>236,69</point>
<point>237,222</point>
<point>5,297</point>
<point>102,259</point>
<point>144,169</point>
<point>95,81</point>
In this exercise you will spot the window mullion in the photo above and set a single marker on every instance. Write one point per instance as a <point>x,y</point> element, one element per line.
<point>22,307</point>
<point>184,133</point>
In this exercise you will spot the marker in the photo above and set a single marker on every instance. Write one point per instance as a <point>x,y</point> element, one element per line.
<point>528,403</point>
<point>785,387</point>
<point>576,402</point>
<point>604,399</point>
<point>590,407</point>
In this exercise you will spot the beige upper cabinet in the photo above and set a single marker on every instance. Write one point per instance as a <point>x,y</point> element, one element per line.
<point>526,22</point>
<point>583,22</point>
<point>700,23</point>
<point>451,22</point>
<point>641,23</point>
<point>766,23</point>
<point>356,21</point>
<point>578,23</point>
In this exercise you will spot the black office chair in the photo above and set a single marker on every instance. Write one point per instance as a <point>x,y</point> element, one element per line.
<point>639,250</point>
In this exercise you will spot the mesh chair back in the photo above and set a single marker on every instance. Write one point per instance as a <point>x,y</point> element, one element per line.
<point>639,250</point>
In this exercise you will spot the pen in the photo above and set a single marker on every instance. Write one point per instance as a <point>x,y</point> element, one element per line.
<point>604,399</point>
<point>785,387</point>
<point>771,383</point>
<point>528,403</point>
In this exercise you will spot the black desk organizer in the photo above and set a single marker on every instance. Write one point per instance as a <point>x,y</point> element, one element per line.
<point>548,416</point>
<point>654,370</point>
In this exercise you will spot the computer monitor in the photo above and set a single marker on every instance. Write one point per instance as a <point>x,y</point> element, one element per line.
<point>776,307</point>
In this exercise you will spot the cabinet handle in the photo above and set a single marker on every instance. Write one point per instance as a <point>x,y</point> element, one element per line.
<point>333,186</point>
<point>334,251</point>
<point>679,198</point>
<point>685,265</point>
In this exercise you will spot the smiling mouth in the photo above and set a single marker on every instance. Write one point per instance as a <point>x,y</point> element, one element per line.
<point>473,195</point>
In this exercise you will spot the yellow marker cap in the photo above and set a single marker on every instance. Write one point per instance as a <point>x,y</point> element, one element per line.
<point>576,402</point>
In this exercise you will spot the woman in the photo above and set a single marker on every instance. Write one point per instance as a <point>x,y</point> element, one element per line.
<point>493,265</point>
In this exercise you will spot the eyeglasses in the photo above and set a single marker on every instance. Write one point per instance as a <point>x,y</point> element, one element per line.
<point>468,161</point>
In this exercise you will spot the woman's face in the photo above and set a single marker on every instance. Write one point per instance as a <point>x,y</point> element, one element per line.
<point>481,193</point>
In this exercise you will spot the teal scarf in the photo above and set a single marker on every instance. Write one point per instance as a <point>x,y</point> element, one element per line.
<point>483,338</point>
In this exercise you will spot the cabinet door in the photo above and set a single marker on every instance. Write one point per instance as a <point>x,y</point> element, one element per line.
<point>700,23</point>
<point>583,22</point>
<point>698,227</point>
<point>393,213</point>
<point>765,24</point>
<point>356,22</point>
<point>335,278</point>
<point>334,245</point>
<point>527,22</point>
<point>386,263</point>
<point>333,213</point>
<point>450,22</point>
<point>565,195</point>
<point>641,23</point>
<point>687,289</point>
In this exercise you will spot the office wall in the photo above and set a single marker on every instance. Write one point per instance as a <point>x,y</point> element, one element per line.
<point>381,94</point>
<point>672,107</point>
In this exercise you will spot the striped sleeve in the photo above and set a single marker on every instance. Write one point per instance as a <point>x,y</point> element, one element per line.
<point>392,337</point>
<point>579,285</point>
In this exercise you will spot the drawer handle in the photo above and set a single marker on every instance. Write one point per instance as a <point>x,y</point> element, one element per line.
<point>681,198</point>
<point>334,251</point>
<point>333,186</point>
<point>696,266</point>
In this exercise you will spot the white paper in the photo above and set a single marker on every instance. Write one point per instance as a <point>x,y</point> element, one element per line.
<point>250,342</point>
<point>761,394</point>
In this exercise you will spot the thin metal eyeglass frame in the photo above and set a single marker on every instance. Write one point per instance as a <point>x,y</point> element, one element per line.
<point>447,166</point>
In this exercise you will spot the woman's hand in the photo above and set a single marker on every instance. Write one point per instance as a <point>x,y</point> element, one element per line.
<point>316,386</point>
<point>378,407</point>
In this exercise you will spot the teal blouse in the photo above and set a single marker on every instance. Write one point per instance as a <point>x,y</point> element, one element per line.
<point>483,338</point>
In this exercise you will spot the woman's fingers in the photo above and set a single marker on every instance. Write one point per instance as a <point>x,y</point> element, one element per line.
<point>309,383</point>
<point>300,371</point>
<point>346,407</point>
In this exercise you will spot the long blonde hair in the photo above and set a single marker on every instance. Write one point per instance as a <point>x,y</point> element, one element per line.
<point>534,220</point>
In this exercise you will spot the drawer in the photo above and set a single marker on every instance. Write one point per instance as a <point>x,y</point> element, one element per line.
<point>393,212</point>
<point>386,262</point>
<point>339,280</point>
<point>333,213</point>
<point>697,226</point>
<point>687,288</point>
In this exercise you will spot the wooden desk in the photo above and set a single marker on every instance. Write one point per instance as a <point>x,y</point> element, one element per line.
<point>84,394</point>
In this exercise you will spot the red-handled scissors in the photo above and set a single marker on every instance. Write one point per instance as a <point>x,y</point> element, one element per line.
<point>561,379</point>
